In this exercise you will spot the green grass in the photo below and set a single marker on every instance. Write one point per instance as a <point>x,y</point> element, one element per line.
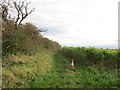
<point>48,69</point>
<point>22,70</point>
<point>83,77</point>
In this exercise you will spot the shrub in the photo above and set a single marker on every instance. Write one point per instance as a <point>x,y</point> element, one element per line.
<point>91,55</point>
<point>24,38</point>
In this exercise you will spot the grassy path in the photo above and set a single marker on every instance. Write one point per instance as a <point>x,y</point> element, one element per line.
<point>50,70</point>
<point>84,77</point>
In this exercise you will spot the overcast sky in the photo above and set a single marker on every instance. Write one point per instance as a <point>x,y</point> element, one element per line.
<point>77,22</point>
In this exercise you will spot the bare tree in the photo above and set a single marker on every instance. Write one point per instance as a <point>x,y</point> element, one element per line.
<point>4,6</point>
<point>21,9</point>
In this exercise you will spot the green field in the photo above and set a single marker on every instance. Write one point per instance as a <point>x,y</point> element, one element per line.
<point>52,70</point>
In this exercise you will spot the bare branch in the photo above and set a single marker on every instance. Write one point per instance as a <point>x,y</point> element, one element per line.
<point>25,13</point>
<point>20,8</point>
<point>4,6</point>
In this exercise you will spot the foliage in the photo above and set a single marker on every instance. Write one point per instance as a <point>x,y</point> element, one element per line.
<point>52,70</point>
<point>40,66</point>
<point>108,57</point>
<point>84,76</point>
<point>25,39</point>
<point>20,70</point>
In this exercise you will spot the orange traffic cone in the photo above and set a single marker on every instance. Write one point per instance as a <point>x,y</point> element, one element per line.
<point>72,64</point>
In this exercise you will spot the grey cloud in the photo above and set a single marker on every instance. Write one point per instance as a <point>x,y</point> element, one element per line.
<point>73,22</point>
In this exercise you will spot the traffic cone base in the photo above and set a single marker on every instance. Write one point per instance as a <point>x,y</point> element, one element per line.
<point>72,67</point>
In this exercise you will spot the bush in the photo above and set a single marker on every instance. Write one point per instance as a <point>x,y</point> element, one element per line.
<point>91,55</point>
<point>24,38</point>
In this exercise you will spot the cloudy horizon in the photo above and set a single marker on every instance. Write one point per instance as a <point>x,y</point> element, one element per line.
<point>89,23</point>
